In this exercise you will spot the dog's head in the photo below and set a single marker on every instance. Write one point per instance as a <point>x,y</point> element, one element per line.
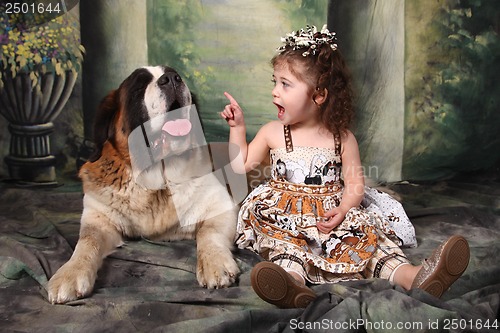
<point>147,94</point>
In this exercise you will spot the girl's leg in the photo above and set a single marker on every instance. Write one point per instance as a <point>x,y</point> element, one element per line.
<point>299,278</point>
<point>390,263</point>
<point>404,275</point>
<point>446,264</point>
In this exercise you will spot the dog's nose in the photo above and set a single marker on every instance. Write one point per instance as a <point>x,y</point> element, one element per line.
<point>168,78</point>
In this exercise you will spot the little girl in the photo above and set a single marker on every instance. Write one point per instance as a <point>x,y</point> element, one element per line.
<point>315,221</point>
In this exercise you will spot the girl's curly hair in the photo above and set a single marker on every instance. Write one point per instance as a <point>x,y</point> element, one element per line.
<point>325,70</point>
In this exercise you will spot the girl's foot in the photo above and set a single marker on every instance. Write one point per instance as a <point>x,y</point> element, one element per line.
<point>274,285</point>
<point>445,266</point>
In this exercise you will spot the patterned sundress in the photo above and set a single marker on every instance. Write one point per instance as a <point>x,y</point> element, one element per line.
<point>278,220</point>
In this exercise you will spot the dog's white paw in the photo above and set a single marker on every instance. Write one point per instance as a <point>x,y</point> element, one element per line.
<point>217,272</point>
<point>72,281</point>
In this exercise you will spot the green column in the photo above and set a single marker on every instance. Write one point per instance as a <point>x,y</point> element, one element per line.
<point>115,38</point>
<point>372,38</point>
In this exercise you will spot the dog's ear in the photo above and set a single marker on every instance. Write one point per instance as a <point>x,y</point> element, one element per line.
<point>104,123</point>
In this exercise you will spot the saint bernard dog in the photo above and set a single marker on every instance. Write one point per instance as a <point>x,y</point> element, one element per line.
<point>172,198</point>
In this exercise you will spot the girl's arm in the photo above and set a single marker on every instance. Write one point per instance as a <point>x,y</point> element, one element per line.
<point>354,184</point>
<point>243,156</point>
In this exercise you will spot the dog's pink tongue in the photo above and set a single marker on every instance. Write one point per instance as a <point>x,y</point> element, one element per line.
<point>179,127</point>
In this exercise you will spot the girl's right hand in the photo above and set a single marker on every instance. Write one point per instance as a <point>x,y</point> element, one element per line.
<point>332,219</point>
<point>232,113</point>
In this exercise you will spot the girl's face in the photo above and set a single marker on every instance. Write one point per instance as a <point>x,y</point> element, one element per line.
<point>293,98</point>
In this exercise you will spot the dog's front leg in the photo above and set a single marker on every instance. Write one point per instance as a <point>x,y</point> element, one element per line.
<point>76,278</point>
<point>216,267</point>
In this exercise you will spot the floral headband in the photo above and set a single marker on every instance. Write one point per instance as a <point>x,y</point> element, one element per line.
<point>309,38</point>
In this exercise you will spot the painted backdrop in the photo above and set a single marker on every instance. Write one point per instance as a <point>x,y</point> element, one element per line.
<point>424,71</point>
<point>426,76</point>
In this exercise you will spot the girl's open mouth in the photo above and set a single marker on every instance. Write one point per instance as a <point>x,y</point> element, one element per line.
<point>281,111</point>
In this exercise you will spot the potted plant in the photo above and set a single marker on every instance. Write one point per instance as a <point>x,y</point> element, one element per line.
<point>40,58</point>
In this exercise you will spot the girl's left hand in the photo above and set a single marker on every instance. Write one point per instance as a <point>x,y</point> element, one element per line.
<point>332,219</point>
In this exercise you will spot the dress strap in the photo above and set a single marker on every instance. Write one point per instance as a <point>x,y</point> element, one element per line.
<point>288,138</point>
<point>338,144</point>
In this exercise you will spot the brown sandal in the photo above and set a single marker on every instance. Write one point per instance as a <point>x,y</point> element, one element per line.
<point>274,285</point>
<point>446,264</point>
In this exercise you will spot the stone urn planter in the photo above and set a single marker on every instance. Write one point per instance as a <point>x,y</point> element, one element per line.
<point>30,112</point>
<point>40,57</point>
